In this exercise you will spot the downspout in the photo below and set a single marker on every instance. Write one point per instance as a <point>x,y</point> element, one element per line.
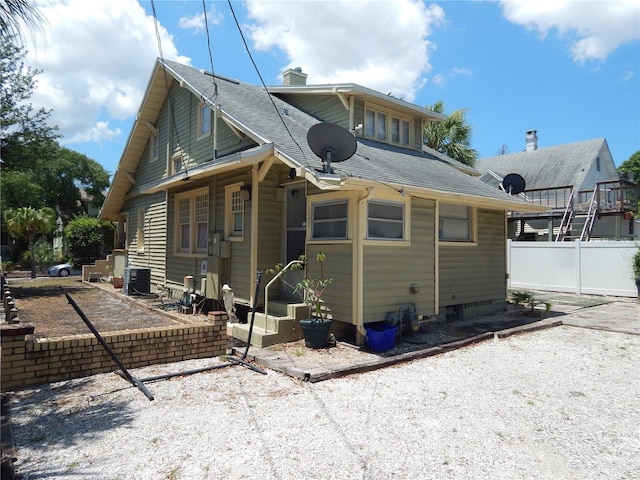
<point>437,259</point>
<point>253,261</point>
<point>215,129</point>
<point>358,255</point>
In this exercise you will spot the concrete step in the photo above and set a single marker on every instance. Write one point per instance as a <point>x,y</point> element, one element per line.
<point>288,330</point>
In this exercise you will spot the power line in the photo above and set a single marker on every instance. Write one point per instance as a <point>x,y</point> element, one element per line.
<point>233,13</point>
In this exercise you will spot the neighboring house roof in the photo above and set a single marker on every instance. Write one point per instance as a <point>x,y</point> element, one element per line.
<point>280,129</point>
<point>548,167</point>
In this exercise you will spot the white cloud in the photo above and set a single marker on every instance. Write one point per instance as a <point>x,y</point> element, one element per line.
<point>96,59</point>
<point>382,45</point>
<point>595,28</point>
<point>196,23</point>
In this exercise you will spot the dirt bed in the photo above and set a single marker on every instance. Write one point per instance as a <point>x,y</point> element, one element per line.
<point>43,303</point>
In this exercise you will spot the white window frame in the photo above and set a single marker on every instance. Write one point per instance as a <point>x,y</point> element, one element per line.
<point>403,222</point>
<point>191,222</point>
<point>234,199</point>
<point>140,230</point>
<point>457,219</point>
<point>315,208</point>
<point>205,120</point>
<point>379,125</point>
<point>154,147</point>
<point>177,165</point>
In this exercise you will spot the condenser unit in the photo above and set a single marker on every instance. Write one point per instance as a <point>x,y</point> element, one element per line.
<point>137,281</point>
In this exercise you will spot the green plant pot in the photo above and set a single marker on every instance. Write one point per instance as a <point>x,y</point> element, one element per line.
<point>316,332</point>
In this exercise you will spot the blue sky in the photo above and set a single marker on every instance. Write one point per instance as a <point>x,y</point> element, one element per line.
<point>568,69</point>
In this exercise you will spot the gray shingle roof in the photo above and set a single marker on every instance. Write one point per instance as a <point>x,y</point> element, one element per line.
<point>376,162</point>
<point>549,166</point>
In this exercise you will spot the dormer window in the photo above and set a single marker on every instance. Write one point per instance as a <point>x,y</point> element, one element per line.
<point>387,127</point>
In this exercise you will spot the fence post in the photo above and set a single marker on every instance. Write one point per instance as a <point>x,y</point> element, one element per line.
<point>578,267</point>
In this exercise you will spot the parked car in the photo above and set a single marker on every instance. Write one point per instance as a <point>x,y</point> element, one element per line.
<point>61,270</point>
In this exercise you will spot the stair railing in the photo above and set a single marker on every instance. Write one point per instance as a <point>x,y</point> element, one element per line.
<point>266,290</point>
<point>566,218</point>
<point>591,215</point>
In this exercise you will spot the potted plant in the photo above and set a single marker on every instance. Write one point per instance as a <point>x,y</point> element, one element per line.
<point>315,329</point>
<point>635,267</point>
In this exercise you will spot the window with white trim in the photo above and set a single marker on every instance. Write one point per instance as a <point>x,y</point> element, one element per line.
<point>234,211</point>
<point>385,220</point>
<point>154,147</point>
<point>192,221</point>
<point>204,120</point>
<point>329,220</point>
<point>140,230</point>
<point>455,223</point>
<point>387,127</point>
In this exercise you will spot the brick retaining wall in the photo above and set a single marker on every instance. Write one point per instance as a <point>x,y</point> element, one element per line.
<point>29,361</point>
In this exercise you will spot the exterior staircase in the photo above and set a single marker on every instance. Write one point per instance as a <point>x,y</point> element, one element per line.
<point>577,223</point>
<point>281,326</point>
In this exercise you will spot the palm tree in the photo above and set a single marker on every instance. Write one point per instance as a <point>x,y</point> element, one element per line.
<point>13,13</point>
<point>29,222</point>
<point>451,136</point>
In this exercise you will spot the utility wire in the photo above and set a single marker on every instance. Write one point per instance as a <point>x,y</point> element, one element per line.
<point>233,13</point>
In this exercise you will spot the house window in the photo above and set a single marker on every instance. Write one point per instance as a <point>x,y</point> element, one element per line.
<point>176,162</point>
<point>192,221</point>
<point>329,220</point>
<point>598,163</point>
<point>154,147</point>
<point>387,127</point>
<point>234,209</point>
<point>140,236</point>
<point>385,220</point>
<point>204,120</point>
<point>455,223</point>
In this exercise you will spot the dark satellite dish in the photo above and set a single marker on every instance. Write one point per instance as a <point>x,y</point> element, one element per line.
<point>513,184</point>
<point>331,143</point>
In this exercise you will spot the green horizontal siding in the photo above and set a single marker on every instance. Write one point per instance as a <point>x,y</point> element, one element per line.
<point>476,273</point>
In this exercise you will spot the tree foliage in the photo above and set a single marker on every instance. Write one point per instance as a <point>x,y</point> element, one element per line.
<point>37,171</point>
<point>88,237</point>
<point>631,166</point>
<point>30,223</point>
<point>451,136</point>
<point>17,15</point>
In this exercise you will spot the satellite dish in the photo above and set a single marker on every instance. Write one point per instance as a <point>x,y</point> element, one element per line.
<point>513,184</point>
<point>331,143</point>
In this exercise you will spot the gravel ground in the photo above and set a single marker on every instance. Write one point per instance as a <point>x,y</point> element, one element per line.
<point>561,403</point>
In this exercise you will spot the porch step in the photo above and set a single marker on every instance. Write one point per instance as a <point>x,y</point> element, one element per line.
<point>281,330</point>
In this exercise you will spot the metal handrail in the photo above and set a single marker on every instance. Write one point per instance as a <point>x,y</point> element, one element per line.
<point>266,291</point>
<point>566,216</point>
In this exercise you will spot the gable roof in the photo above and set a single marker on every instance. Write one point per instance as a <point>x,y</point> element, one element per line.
<point>280,129</point>
<point>548,167</point>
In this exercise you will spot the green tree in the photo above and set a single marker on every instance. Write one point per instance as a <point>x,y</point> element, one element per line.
<point>88,238</point>
<point>631,169</point>
<point>30,223</point>
<point>451,136</point>
<point>37,171</point>
<point>631,166</point>
<point>25,135</point>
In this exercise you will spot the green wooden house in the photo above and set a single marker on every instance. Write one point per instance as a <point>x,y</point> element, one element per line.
<point>217,181</point>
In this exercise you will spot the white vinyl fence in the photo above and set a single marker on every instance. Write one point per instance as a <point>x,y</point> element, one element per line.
<point>595,268</point>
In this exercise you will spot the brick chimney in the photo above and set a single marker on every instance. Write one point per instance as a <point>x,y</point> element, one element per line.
<point>532,140</point>
<point>292,77</point>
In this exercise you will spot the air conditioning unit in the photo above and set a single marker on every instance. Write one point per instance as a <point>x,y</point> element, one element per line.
<point>137,281</point>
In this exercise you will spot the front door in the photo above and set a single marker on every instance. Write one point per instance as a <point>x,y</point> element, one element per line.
<point>295,204</point>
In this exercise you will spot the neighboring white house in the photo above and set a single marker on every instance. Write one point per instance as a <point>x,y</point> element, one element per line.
<point>579,181</point>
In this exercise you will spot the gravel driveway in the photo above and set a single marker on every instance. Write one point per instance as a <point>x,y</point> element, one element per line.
<point>561,403</point>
